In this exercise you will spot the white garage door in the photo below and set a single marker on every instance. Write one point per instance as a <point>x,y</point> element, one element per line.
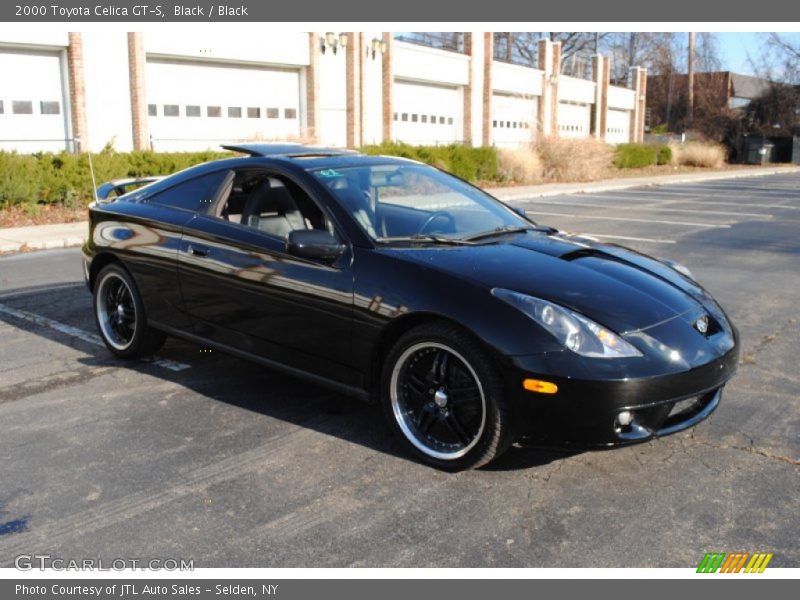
<point>618,126</point>
<point>32,107</point>
<point>427,114</point>
<point>574,120</point>
<point>513,120</point>
<point>194,106</point>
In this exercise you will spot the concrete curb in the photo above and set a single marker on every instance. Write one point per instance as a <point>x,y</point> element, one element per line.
<point>43,237</point>
<point>66,235</point>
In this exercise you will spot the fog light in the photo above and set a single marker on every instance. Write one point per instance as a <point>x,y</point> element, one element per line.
<point>539,386</point>
<point>624,418</point>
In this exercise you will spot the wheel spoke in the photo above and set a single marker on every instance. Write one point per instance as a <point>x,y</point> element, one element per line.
<point>425,420</point>
<point>465,395</point>
<point>456,429</point>
<point>110,297</point>
<point>417,385</point>
<point>438,371</point>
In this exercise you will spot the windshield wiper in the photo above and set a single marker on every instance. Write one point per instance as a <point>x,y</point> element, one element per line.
<point>497,231</point>
<point>427,237</point>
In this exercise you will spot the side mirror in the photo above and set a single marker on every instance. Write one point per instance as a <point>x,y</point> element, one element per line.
<point>520,211</point>
<point>314,243</point>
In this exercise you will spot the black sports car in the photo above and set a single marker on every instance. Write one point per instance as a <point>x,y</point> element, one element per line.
<point>395,281</point>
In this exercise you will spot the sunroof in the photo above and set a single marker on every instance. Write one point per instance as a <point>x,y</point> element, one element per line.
<point>290,150</point>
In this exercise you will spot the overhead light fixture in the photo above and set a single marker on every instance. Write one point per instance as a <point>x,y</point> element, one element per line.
<point>377,46</point>
<point>330,41</point>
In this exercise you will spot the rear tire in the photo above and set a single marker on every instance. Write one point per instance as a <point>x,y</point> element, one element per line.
<point>443,396</point>
<point>120,316</point>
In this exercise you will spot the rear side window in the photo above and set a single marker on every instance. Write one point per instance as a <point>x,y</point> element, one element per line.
<point>194,195</point>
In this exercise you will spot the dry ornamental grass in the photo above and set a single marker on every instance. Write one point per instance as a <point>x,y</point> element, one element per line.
<point>574,159</point>
<point>698,154</point>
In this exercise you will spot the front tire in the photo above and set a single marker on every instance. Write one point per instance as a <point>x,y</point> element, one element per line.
<point>120,317</point>
<point>444,398</point>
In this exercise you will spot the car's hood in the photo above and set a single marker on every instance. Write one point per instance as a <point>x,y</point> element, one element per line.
<point>617,287</point>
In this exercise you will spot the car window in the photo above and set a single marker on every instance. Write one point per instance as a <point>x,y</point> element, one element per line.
<point>397,201</point>
<point>196,194</point>
<point>271,203</point>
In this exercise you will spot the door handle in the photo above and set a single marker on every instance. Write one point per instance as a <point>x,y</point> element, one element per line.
<point>199,251</point>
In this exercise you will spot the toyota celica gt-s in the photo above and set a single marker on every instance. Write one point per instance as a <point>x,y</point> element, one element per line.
<point>395,281</point>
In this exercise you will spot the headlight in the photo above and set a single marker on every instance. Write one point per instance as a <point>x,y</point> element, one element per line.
<point>575,332</point>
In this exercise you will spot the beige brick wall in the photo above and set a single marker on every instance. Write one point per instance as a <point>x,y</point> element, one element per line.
<point>354,91</point>
<point>387,83</point>
<point>312,88</point>
<point>77,91</point>
<point>466,127</point>
<point>488,59</point>
<point>136,70</point>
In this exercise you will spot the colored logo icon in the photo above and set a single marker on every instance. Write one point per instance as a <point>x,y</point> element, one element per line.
<point>737,562</point>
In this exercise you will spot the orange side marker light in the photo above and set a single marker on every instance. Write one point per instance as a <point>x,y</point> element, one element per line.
<point>539,386</point>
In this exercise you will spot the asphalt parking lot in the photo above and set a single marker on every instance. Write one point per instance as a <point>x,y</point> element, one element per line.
<point>206,457</point>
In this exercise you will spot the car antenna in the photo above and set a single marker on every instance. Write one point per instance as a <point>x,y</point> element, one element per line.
<point>91,171</point>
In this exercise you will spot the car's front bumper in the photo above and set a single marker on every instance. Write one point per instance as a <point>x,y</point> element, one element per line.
<point>592,412</point>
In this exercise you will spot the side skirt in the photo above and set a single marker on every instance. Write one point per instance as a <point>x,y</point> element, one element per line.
<point>348,390</point>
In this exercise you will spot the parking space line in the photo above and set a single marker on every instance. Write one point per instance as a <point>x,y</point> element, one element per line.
<point>693,198</point>
<point>628,238</point>
<point>650,207</point>
<point>729,203</point>
<point>629,219</point>
<point>80,334</point>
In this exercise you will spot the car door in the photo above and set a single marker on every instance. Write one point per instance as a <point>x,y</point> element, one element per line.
<point>146,235</point>
<point>242,288</point>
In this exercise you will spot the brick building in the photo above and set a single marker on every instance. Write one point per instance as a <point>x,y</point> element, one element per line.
<point>167,92</point>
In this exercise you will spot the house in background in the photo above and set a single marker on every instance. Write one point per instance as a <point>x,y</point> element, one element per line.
<point>745,112</point>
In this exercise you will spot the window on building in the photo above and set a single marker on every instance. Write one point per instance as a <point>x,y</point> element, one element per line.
<point>424,118</point>
<point>2,108</point>
<point>171,110</point>
<point>253,112</point>
<point>195,194</point>
<point>449,120</point>
<point>192,110</point>
<point>22,107</point>
<point>433,119</point>
<point>50,108</point>
<point>273,113</point>
<point>395,116</point>
<point>152,110</point>
<point>290,113</point>
<point>404,117</point>
<point>414,117</point>
<point>441,120</point>
<point>213,111</point>
<point>235,112</point>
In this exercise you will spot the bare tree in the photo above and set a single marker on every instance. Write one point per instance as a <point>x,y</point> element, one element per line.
<point>658,52</point>
<point>781,60</point>
<point>521,47</point>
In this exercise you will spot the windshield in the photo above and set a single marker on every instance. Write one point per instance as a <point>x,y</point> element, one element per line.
<point>396,202</point>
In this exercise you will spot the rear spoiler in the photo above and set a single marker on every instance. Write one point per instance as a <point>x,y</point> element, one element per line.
<point>117,187</point>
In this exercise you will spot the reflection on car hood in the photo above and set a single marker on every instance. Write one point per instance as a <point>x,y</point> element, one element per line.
<point>617,287</point>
